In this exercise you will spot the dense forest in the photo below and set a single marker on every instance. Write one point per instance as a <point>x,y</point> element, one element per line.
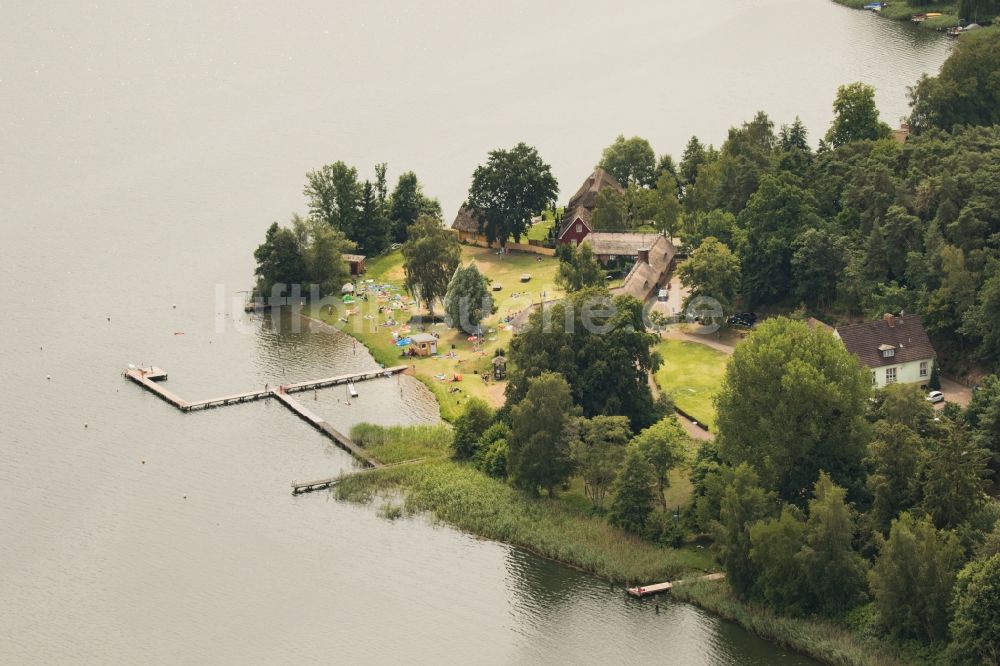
<point>863,225</point>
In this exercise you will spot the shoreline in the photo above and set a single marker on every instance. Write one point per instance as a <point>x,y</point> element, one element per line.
<point>563,537</point>
<point>902,12</point>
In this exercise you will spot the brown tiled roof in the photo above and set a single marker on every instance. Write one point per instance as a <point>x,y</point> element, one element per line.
<point>906,336</point>
<point>586,196</point>
<point>571,215</point>
<point>465,221</point>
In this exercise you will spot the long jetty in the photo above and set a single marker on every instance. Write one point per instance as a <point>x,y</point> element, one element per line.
<point>150,378</point>
<point>656,588</point>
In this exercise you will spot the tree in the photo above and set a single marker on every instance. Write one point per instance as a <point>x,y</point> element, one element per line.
<point>667,213</point>
<point>894,460</point>
<point>976,625</point>
<point>334,193</point>
<point>611,211</point>
<point>692,158</point>
<point>776,214</point>
<point>983,417</point>
<point>372,229</point>
<point>492,451</point>
<point>323,248</point>
<point>598,452</point>
<point>509,189</point>
<point>713,271</point>
<point>836,573</point>
<point>579,269</point>
<point>538,445</point>
<point>913,577</point>
<point>742,504</point>
<point>855,116</point>
<point>718,223</point>
<point>468,300</point>
<point>781,580</point>
<point>664,444</point>
<point>599,344</point>
<point>430,256</point>
<point>746,157</point>
<point>905,404</point>
<point>965,92</point>
<point>633,491</point>
<point>407,204</point>
<point>983,320</point>
<point>952,476</point>
<point>630,161</point>
<point>469,428</point>
<point>382,190</point>
<point>792,403</point>
<point>279,261</point>
<point>818,261</point>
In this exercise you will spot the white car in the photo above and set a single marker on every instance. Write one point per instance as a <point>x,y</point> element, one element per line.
<point>662,296</point>
<point>935,396</point>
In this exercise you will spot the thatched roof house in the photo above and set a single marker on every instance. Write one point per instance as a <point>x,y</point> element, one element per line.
<point>651,269</point>
<point>575,224</point>
<point>466,225</point>
<point>586,196</point>
<point>609,245</point>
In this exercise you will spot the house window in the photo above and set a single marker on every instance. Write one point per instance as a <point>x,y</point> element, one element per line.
<point>890,375</point>
<point>887,353</point>
<point>579,228</point>
<point>923,368</point>
<point>874,381</point>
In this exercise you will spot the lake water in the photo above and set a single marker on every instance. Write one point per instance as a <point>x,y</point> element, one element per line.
<point>144,151</point>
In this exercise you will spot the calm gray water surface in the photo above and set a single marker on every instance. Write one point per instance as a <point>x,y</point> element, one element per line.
<point>144,151</point>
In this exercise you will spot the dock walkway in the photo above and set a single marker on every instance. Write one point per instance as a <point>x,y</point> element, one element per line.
<point>150,377</point>
<point>656,588</point>
<point>342,440</point>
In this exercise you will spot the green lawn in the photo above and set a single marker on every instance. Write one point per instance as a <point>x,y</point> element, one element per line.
<point>691,375</point>
<point>512,297</point>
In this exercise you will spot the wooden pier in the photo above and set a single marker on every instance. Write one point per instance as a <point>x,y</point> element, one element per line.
<point>309,486</point>
<point>149,379</point>
<point>345,379</point>
<point>657,588</point>
<point>342,440</point>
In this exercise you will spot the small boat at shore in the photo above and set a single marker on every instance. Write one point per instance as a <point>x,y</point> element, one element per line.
<point>351,390</point>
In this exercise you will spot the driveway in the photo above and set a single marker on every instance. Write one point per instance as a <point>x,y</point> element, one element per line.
<point>954,392</point>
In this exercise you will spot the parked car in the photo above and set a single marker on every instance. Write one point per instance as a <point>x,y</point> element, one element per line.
<point>741,320</point>
<point>935,396</point>
<point>662,295</point>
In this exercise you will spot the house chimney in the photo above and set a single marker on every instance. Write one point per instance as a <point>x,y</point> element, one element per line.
<point>644,255</point>
<point>889,319</point>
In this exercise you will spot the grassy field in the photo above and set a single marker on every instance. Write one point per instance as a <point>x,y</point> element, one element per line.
<point>369,326</point>
<point>540,231</point>
<point>396,444</point>
<point>691,374</point>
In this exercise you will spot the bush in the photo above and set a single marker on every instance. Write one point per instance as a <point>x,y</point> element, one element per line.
<point>493,459</point>
<point>469,427</point>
